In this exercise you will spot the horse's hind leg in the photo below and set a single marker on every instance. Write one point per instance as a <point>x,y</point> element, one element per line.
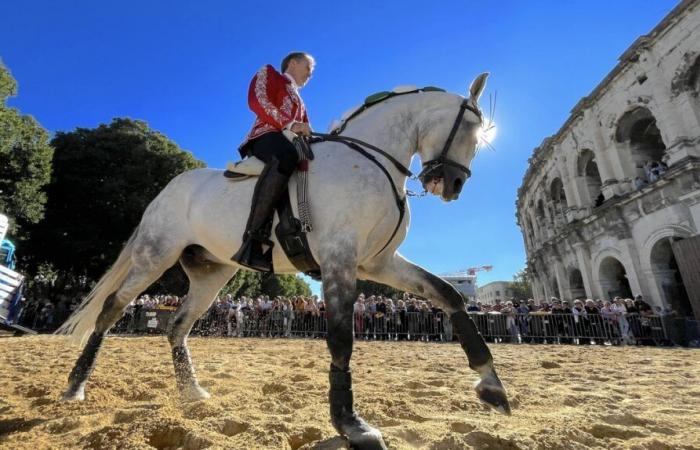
<point>148,264</point>
<point>206,280</point>
<point>339,275</point>
<point>402,274</point>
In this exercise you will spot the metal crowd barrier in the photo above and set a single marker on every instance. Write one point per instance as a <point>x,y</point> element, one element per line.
<point>424,326</point>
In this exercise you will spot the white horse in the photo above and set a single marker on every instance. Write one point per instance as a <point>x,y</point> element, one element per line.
<point>200,216</point>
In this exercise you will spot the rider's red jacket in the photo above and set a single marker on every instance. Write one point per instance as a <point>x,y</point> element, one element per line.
<point>274,99</point>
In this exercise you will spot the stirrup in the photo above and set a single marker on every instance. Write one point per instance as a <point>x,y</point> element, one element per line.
<point>249,257</point>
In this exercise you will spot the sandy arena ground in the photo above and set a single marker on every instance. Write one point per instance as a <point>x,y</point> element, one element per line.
<point>272,394</point>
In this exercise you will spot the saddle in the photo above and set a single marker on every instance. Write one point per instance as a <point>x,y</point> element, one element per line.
<point>246,168</point>
<point>290,231</point>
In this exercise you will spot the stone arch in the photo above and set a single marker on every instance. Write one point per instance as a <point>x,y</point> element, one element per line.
<point>662,269</point>
<point>529,231</point>
<point>613,280</point>
<point>687,76</point>
<point>536,230</point>
<point>694,78</point>
<point>638,129</point>
<point>558,196</point>
<point>668,278</point>
<point>669,231</point>
<point>576,286</point>
<point>539,210</point>
<point>587,169</point>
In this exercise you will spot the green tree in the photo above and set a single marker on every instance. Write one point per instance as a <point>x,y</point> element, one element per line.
<point>252,284</point>
<point>521,287</point>
<point>25,162</point>
<point>103,179</point>
<point>371,288</point>
<point>286,286</point>
<point>243,283</point>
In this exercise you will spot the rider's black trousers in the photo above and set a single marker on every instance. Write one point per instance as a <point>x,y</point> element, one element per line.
<point>274,145</point>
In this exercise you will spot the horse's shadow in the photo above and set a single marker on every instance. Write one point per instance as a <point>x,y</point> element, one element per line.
<point>334,443</point>
<point>18,425</point>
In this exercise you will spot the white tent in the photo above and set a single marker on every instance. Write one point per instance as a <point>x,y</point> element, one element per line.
<point>4,224</point>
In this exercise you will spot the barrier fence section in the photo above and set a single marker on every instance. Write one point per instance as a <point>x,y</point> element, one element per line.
<point>423,326</point>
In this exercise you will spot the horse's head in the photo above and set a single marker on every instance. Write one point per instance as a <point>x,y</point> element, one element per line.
<point>448,141</point>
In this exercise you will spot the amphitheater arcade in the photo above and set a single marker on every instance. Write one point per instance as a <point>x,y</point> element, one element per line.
<point>590,229</point>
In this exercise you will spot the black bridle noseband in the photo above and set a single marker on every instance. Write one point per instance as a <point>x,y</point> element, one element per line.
<point>429,167</point>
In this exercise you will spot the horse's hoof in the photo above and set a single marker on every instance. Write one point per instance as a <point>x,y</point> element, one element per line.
<point>370,439</point>
<point>491,392</point>
<point>360,435</point>
<point>71,395</point>
<point>195,393</point>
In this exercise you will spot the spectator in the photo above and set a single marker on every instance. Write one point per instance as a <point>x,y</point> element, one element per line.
<point>639,183</point>
<point>523,321</point>
<point>497,305</point>
<point>509,311</point>
<point>359,313</point>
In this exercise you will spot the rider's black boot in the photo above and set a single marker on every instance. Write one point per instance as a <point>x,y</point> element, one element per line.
<point>268,189</point>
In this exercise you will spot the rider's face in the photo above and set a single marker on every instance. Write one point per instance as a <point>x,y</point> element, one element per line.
<point>301,70</point>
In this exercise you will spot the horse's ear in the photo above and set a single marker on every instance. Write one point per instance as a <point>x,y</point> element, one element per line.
<point>477,87</point>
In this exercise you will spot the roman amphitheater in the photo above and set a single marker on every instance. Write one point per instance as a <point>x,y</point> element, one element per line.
<point>610,204</point>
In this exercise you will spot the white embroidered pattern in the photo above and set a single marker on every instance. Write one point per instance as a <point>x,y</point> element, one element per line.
<point>261,94</point>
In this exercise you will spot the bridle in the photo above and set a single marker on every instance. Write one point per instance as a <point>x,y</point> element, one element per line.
<point>429,167</point>
<point>434,165</point>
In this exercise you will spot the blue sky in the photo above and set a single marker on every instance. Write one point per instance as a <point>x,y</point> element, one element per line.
<point>184,67</point>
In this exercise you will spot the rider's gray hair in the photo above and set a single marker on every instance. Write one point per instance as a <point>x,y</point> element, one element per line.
<point>295,56</point>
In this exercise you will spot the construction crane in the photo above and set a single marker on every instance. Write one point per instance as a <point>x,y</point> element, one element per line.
<point>471,271</point>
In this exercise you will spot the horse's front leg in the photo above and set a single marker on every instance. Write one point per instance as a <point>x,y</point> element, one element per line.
<point>339,269</point>
<point>402,274</point>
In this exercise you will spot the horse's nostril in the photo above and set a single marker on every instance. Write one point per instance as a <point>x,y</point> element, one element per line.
<point>458,185</point>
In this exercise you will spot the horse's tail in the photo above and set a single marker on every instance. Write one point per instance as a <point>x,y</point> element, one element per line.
<point>82,322</point>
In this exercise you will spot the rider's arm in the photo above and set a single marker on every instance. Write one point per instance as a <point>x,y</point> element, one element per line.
<point>259,99</point>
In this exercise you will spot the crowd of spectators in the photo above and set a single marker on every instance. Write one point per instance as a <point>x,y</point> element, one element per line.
<point>376,317</point>
<point>620,321</point>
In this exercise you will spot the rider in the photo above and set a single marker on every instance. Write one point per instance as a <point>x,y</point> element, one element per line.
<point>275,100</point>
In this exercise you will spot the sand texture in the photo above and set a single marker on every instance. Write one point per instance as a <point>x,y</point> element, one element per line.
<point>272,394</point>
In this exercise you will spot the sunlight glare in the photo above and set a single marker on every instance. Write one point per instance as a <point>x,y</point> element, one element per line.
<point>487,133</point>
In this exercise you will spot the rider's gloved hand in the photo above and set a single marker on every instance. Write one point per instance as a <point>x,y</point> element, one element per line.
<point>301,128</point>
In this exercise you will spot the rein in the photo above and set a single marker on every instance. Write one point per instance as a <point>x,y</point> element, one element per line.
<point>356,144</point>
<point>428,167</point>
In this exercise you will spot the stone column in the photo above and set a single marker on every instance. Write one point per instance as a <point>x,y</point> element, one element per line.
<point>583,256</point>
<point>630,261</point>
<point>681,128</point>
<point>657,279</point>
<point>562,280</point>
<point>610,163</point>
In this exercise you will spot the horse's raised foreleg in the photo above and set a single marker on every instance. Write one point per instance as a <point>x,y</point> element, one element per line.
<point>206,280</point>
<point>339,276</point>
<point>404,275</point>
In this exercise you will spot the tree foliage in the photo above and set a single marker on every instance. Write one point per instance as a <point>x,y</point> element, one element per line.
<point>251,284</point>
<point>25,162</point>
<point>103,179</point>
<point>371,288</point>
<point>521,287</point>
